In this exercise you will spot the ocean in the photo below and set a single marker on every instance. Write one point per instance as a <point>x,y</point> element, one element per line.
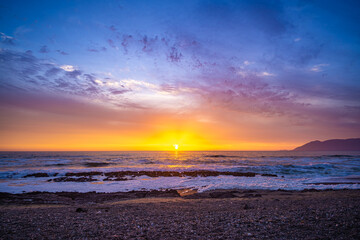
<point>128,171</point>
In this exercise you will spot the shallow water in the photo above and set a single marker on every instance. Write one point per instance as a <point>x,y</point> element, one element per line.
<point>294,170</point>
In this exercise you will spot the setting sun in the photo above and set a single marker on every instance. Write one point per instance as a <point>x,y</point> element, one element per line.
<point>176,146</point>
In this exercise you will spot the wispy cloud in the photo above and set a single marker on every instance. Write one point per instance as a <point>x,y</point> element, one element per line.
<point>68,68</point>
<point>7,39</point>
<point>319,67</point>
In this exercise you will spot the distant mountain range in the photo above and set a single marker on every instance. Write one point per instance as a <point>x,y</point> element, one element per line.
<point>352,144</point>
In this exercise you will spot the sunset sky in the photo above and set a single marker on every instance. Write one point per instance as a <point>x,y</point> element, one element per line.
<point>206,75</point>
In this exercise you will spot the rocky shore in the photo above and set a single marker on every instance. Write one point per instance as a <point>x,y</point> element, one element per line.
<point>128,175</point>
<point>182,214</point>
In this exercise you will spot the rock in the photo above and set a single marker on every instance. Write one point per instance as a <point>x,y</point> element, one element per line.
<point>68,179</point>
<point>115,179</point>
<point>249,195</point>
<point>83,174</point>
<point>222,195</point>
<point>167,193</point>
<point>37,175</point>
<point>80,210</point>
<point>268,175</point>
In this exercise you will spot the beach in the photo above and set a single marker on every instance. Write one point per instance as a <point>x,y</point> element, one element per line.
<point>185,195</point>
<point>182,214</point>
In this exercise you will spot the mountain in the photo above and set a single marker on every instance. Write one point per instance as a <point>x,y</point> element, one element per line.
<point>351,144</point>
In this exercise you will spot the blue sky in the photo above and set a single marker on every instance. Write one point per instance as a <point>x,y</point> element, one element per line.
<point>258,64</point>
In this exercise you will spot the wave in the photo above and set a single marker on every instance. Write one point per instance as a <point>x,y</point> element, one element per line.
<point>219,156</point>
<point>96,164</point>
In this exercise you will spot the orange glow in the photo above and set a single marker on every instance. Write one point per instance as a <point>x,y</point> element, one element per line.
<point>42,131</point>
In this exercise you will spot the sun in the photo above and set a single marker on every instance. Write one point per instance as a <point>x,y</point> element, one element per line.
<point>176,146</point>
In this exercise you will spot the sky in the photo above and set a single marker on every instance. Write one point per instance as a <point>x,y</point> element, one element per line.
<point>205,75</point>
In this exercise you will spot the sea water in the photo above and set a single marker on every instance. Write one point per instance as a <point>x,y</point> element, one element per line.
<point>289,170</point>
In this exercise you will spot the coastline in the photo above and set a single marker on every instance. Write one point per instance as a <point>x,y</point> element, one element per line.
<point>182,214</point>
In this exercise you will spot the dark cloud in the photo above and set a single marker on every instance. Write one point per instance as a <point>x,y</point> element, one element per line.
<point>126,39</point>
<point>113,28</point>
<point>117,92</point>
<point>90,77</point>
<point>174,55</point>
<point>62,52</point>
<point>61,83</point>
<point>25,70</point>
<point>102,49</point>
<point>52,71</point>
<point>74,74</point>
<point>148,43</point>
<point>111,43</point>
<point>44,49</point>
<point>29,71</point>
<point>92,50</point>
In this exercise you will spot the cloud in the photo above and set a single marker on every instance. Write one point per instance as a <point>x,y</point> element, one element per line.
<point>266,74</point>
<point>52,71</point>
<point>28,73</point>
<point>102,49</point>
<point>126,39</point>
<point>44,49</point>
<point>319,67</point>
<point>113,28</point>
<point>112,44</point>
<point>7,39</point>
<point>67,68</point>
<point>174,55</point>
<point>148,43</point>
<point>119,91</point>
<point>45,77</point>
<point>246,63</point>
<point>73,74</point>
<point>62,52</point>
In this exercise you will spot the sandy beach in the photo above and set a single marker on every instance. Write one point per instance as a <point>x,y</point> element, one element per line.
<point>171,214</point>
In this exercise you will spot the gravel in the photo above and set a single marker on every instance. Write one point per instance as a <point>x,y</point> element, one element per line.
<point>220,214</point>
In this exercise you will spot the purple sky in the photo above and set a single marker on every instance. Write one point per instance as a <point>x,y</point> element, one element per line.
<point>232,74</point>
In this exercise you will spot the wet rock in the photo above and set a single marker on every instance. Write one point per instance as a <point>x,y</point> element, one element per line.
<point>199,173</point>
<point>37,175</point>
<point>268,175</point>
<point>116,179</point>
<point>80,210</point>
<point>69,179</point>
<point>83,174</point>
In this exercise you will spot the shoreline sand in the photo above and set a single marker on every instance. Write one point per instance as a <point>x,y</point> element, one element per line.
<point>182,214</point>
